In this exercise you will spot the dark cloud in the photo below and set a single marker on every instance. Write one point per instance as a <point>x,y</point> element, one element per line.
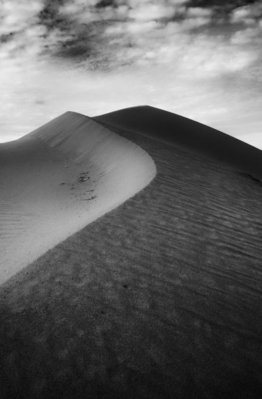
<point>5,38</point>
<point>49,13</point>
<point>77,43</point>
<point>50,17</point>
<point>222,4</point>
<point>106,3</point>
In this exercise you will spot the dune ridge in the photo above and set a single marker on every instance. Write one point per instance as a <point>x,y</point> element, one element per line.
<point>160,298</point>
<point>178,130</point>
<point>57,179</point>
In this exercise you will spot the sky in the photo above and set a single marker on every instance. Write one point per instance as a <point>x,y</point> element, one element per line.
<point>198,58</point>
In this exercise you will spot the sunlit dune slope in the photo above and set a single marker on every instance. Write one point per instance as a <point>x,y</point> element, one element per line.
<point>179,130</point>
<point>59,178</point>
<point>159,298</point>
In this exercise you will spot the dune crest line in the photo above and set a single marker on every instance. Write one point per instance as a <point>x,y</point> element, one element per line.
<point>59,178</point>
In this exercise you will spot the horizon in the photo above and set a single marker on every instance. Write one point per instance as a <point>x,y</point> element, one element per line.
<point>189,57</point>
<point>130,200</point>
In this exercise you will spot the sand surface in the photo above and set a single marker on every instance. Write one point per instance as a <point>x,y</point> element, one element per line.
<point>177,130</point>
<point>59,178</point>
<point>160,298</point>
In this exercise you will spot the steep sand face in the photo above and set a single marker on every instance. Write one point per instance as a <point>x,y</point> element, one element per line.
<point>175,129</point>
<point>58,179</point>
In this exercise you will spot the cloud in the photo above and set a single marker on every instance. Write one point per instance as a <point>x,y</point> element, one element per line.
<point>248,13</point>
<point>250,36</point>
<point>248,32</point>
<point>17,16</point>
<point>113,34</point>
<point>147,11</point>
<point>96,56</point>
<point>199,12</point>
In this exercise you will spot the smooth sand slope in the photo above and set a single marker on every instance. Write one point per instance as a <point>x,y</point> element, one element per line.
<point>159,298</point>
<point>58,179</point>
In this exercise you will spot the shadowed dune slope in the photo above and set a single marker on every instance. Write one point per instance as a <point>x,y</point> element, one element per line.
<point>59,178</point>
<point>160,298</point>
<point>179,130</point>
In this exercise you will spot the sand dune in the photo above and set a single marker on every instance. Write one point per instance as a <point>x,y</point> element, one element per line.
<point>59,178</point>
<point>160,298</point>
<point>175,129</point>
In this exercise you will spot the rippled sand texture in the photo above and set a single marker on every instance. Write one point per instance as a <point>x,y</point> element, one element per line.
<point>160,298</point>
<point>58,179</point>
